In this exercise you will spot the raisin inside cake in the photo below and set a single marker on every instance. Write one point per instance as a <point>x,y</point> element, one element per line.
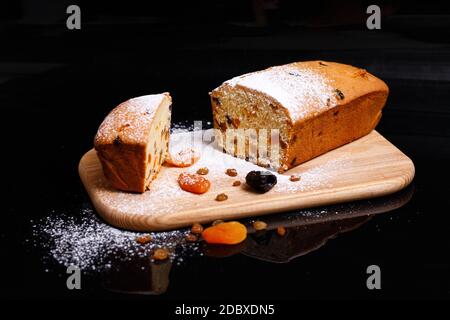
<point>286,115</point>
<point>133,140</point>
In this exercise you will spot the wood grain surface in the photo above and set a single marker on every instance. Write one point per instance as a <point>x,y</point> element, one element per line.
<point>368,167</point>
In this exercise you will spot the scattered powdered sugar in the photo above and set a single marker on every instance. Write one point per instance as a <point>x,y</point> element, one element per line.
<point>211,155</point>
<point>165,195</point>
<point>313,178</point>
<point>84,240</point>
<point>301,90</point>
<point>181,127</point>
<point>217,162</point>
<point>89,243</point>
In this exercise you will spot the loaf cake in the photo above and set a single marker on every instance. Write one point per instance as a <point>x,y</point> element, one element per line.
<point>133,140</point>
<point>286,115</point>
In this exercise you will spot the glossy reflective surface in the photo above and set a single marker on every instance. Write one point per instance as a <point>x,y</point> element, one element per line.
<point>306,232</point>
<point>56,87</point>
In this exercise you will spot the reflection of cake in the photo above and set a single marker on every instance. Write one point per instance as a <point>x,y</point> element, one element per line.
<point>133,140</point>
<point>316,106</point>
<point>299,240</point>
<point>159,276</point>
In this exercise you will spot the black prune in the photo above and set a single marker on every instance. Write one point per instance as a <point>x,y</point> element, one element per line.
<point>261,181</point>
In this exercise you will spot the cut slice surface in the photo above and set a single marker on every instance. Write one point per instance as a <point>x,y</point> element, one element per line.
<point>133,140</point>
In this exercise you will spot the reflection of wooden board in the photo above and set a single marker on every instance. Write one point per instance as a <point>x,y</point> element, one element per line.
<point>311,229</point>
<point>366,168</point>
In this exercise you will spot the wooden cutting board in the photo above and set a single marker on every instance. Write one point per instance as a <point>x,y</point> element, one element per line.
<point>366,168</point>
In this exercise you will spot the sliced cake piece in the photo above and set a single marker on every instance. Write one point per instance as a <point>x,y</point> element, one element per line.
<point>133,140</point>
<point>286,115</point>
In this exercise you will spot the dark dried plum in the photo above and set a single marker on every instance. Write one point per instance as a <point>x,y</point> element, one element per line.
<point>261,181</point>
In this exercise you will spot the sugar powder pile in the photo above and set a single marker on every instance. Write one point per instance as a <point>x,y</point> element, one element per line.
<point>89,243</point>
<point>85,241</point>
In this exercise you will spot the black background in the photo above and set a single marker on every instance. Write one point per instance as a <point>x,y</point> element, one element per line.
<point>56,86</point>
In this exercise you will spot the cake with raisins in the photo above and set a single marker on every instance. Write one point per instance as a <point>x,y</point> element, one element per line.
<point>283,116</point>
<point>133,140</point>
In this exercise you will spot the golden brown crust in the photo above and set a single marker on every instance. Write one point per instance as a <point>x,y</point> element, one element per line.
<point>307,88</point>
<point>130,122</point>
<point>334,128</point>
<point>326,105</point>
<point>122,141</point>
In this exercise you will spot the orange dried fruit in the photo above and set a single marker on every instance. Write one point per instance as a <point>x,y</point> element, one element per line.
<point>182,159</point>
<point>193,182</point>
<point>231,232</point>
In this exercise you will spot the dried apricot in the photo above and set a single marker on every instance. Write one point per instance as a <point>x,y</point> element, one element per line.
<point>231,232</point>
<point>193,182</point>
<point>184,158</point>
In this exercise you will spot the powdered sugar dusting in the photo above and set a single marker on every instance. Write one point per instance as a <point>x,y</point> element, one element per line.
<point>166,196</point>
<point>132,118</point>
<point>313,178</point>
<point>301,90</point>
<point>92,245</point>
<point>84,240</point>
<point>218,162</point>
